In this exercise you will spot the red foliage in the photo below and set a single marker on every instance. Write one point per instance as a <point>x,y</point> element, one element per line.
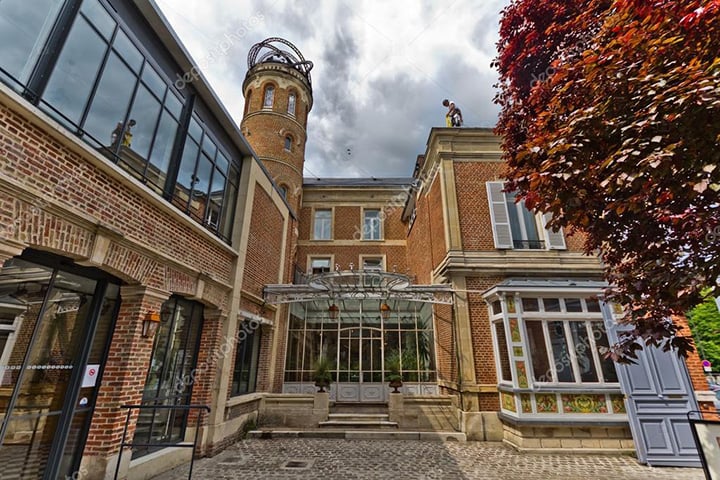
<point>611,122</point>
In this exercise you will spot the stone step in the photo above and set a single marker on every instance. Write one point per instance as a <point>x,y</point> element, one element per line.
<point>359,417</point>
<point>351,434</point>
<point>352,424</point>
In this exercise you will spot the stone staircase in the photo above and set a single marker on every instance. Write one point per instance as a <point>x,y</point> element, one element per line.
<point>354,416</point>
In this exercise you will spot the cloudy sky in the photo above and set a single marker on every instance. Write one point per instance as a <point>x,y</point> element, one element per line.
<point>381,69</point>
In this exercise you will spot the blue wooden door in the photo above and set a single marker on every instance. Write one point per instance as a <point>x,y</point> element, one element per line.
<point>658,395</point>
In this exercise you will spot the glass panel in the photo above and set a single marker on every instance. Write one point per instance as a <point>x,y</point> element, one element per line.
<point>561,352</point>
<point>551,304</point>
<point>162,149</point>
<point>145,113</point>
<point>209,146</point>
<point>538,351</point>
<point>531,229</point>
<point>51,360</point>
<point>322,225</point>
<point>603,346</point>
<point>269,96</point>
<point>246,361</point>
<point>201,181</point>
<point>228,211</point>
<point>74,75</point>
<point>170,377</point>
<point>217,192</point>
<point>583,352</point>
<point>23,32</point>
<point>127,51</point>
<point>185,174</point>
<point>154,82</point>
<point>530,305</point>
<point>195,130</point>
<point>110,103</point>
<point>496,307</point>
<point>295,350</point>
<point>503,354</point>
<point>221,163</point>
<point>593,305</point>
<point>371,226</point>
<point>573,305</point>
<point>99,17</point>
<point>173,104</point>
<point>291,104</point>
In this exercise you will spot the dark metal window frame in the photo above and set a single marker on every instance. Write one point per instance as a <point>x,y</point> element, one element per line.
<point>34,89</point>
<point>239,365</point>
<point>69,407</point>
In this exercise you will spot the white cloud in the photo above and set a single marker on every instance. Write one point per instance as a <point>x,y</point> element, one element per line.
<point>381,69</point>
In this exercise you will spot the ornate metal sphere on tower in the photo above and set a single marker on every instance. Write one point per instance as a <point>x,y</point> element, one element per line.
<point>278,98</point>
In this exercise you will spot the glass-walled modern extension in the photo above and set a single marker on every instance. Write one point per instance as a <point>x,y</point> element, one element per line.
<point>110,85</point>
<point>359,322</point>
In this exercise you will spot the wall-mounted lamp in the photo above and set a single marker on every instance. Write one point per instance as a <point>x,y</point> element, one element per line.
<point>333,311</point>
<point>150,324</point>
<point>385,311</point>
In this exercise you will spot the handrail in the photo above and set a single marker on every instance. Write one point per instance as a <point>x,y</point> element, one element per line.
<point>124,444</point>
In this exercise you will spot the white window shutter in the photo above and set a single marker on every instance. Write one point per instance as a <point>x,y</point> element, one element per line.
<point>499,215</point>
<point>554,240</point>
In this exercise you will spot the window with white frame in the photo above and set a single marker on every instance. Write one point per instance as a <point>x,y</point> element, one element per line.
<point>376,264</point>
<point>322,224</point>
<point>565,340</point>
<point>372,225</point>
<point>269,96</point>
<point>514,226</point>
<point>320,265</point>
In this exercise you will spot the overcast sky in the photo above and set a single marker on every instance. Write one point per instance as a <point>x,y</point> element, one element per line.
<point>381,69</point>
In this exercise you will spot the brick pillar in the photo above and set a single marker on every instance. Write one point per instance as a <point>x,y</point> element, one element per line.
<point>215,352</point>
<point>123,381</point>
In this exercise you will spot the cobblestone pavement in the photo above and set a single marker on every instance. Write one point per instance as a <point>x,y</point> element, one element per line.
<point>385,459</point>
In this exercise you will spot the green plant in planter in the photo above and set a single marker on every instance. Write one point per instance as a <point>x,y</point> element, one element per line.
<point>392,370</point>
<point>322,374</point>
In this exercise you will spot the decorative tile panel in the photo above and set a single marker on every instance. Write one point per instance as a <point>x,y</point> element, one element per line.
<point>546,403</point>
<point>518,351</point>
<point>526,402</point>
<point>508,401</point>
<point>618,403</point>
<point>521,374</point>
<point>584,404</point>
<point>514,330</point>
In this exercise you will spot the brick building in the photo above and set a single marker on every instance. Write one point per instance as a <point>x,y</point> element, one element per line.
<point>154,253</point>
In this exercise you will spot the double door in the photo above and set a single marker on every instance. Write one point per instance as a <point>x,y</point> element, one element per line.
<point>360,365</point>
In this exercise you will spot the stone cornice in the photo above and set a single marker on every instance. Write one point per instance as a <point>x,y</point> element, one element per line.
<point>516,262</point>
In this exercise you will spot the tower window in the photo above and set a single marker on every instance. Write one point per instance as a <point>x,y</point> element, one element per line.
<point>291,104</point>
<point>247,101</point>
<point>269,96</point>
<point>288,143</point>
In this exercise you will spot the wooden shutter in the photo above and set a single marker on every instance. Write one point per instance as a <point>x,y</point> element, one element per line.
<point>554,240</point>
<point>499,215</point>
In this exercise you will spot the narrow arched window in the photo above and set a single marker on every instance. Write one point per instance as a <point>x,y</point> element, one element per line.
<point>291,104</point>
<point>283,191</point>
<point>288,143</point>
<point>247,101</point>
<point>269,96</point>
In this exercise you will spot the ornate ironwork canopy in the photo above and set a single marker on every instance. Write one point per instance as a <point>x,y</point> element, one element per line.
<point>279,50</point>
<point>359,285</point>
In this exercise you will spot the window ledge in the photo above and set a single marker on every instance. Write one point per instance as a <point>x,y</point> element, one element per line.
<point>580,420</point>
<point>556,388</point>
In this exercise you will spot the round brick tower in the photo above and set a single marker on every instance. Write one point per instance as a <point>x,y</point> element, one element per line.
<point>278,98</point>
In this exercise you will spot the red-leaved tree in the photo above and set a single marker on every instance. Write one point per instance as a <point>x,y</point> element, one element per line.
<point>610,118</point>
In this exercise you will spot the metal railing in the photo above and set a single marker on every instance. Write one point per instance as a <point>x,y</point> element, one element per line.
<point>124,444</point>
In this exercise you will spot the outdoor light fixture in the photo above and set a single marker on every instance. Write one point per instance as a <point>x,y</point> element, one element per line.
<point>385,311</point>
<point>150,324</point>
<point>333,311</point>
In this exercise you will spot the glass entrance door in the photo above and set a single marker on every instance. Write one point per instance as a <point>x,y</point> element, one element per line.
<point>46,394</point>
<point>360,365</point>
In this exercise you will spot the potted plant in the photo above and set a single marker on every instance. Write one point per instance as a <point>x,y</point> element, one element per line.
<point>392,371</point>
<point>322,375</point>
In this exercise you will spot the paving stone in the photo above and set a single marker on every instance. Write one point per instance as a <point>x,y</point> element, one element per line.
<point>425,460</point>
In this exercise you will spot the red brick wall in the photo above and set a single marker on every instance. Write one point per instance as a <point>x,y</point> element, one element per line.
<point>445,344</point>
<point>473,207</point>
<point>419,243</point>
<point>437,222</point>
<point>263,258</point>
<point>480,326</point>
<point>34,160</point>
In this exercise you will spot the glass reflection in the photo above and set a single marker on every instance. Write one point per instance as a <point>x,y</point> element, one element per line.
<point>23,32</point>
